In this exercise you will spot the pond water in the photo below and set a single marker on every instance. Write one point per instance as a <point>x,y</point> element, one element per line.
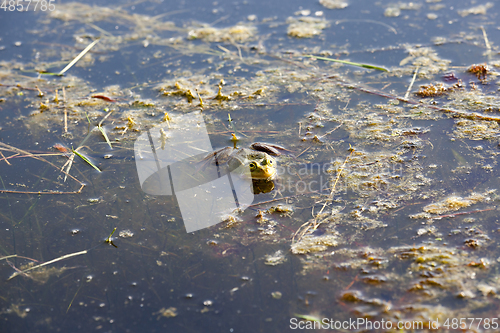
<point>384,209</point>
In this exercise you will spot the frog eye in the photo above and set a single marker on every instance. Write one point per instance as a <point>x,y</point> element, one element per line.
<point>267,161</point>
<point>253,166</point>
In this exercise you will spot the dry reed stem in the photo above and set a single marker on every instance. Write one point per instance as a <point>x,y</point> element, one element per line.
<point>4,158</point>
<point>458,113</point>
<point>48,263</point>
<point>78,57</point>
<point>307,225</point>
<point>486,41</point>
<point>65,112</point>
<point>28,154</point>
<point>411,83</point>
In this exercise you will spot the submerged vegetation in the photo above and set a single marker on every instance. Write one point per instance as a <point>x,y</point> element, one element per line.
<point>386,197</point>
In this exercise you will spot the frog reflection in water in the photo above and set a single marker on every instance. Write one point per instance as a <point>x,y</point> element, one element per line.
<point>260,160</point>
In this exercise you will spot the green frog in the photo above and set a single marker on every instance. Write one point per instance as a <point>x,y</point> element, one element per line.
<point>261,164</point>
<point>260,160</point>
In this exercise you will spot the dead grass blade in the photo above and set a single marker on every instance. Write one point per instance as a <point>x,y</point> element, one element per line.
<point>37,157</point>
<point>411,83</point>
<point>48,263</point>
<point>313,225</point>
<point>69,163</point>
<point>65,112</point>
<point>83,157</point>
<point>103,131</point>
<point>78,57</point>
<point>105,136</point>
<point>349,63</point>
<point>4,158</point>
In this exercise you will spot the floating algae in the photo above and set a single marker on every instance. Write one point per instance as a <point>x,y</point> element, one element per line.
<point>312,243</point>
<point>394,10</point>
<point>426,59</point>
<point>477,10</point>
<point>237,33</point>
<point>454,203</point>
<point>305,27</point>
<point>334,4</point>
<point>274,259</point>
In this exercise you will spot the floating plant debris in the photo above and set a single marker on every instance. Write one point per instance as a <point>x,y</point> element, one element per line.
<point>305,27</point>
<point>481,71</point>
<point>439,89</point>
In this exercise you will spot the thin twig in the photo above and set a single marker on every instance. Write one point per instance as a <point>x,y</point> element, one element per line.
<point>65,112</point>
<point>37,158</point>
<point>70,303</point>
<point>69,163</point>
<point>4,158</point>
<point>103,132</point>
<point>105,117</point>
<point>273,200</point>
<point>352,282</point>
<point>329,132</point>
<point>241,132</point>
<point>19,272</point>
<point>347,62</point>
<point>31,155</point>
<point>391,28</point>
<point>7,257</point>
<point>49,262</point>
<point>224,49</point>
<point>239,50</point>
<point>411,83</point>
<point>461,213</point>
<point>43,192</point>
<point>303,151</point>
<point>458,113</point>
<point>78,57</point>
<point>337,179</point>
<point>307,226</point>
<point>104,32</point>
<point>320,137</point>
<point>486,41</point>
<point>219,20</point>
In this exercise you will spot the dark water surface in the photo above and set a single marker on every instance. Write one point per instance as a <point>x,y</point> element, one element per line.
<point>385,207</point>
